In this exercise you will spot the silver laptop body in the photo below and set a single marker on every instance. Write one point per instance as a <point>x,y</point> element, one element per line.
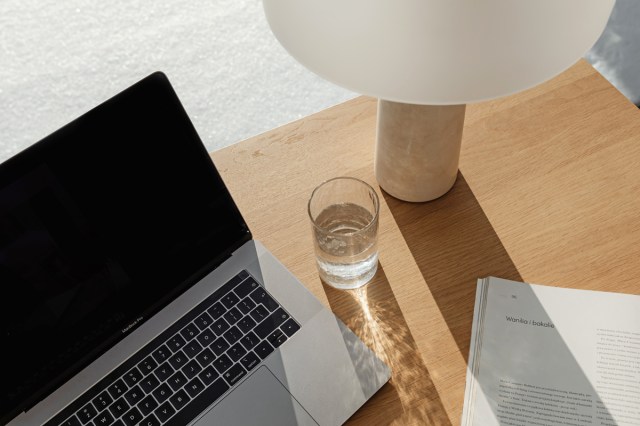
<point>320,374</point>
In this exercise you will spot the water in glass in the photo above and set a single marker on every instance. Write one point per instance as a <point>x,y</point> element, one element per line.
<point>346,254</point>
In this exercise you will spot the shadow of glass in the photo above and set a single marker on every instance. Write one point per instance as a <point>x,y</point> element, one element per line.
<point>373,314</point>
<point>454,244</point>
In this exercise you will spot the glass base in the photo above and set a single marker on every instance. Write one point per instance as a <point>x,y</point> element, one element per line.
<point>348,276</point>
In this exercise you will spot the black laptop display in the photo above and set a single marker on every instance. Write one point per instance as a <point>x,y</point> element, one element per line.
<point>84,261</point>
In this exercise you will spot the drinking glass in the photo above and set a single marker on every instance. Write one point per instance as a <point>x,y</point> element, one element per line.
<point>344,218</point>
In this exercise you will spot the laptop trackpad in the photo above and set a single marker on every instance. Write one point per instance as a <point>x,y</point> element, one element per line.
<point>260,400</point>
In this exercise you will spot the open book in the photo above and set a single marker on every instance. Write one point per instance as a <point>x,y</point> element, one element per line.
<point>552,356</point>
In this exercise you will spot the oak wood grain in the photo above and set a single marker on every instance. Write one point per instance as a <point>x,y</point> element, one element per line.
<point>548,192</point>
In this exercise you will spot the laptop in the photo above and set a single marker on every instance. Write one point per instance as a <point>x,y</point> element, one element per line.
<point>134,294</point>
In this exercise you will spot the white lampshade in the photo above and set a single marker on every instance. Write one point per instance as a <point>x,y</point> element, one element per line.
<point>437,52</point>
<point>426,59</point>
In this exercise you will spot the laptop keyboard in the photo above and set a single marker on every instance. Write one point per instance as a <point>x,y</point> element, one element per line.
<point>191,364</point>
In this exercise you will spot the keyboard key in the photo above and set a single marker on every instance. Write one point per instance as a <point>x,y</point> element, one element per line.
<point>246,305</point>
<point>150,421</point>
<point>161,354</point>
<point>208,375</point>
<point>102,401</point>
<point>164,412</point>
<point>236,352</point>
<point>271,323</point>
<point>178,360</point>
<point>194,387</point>
<point>132,377</point>
<point>259,313</point>
<point>277,338</point>
<point>220,327</point>
<point>176,343</point>
<point>216,311</point>
<point>249,361</point>
<point>119,407</point>
<point>162,393</point>
<point>203,321</point>
<point>103,419</point>
<point>242,275</point>
<point>86,413</point>
<point>192,348</point>
<point>246,324</point>
<point>246,287</point>
<point>180,399</point>
<point>198,404</point>
<point>233,315</point>
<point>147,365</point>
<point>206,338</point>
<point>220,346</point>
<point>118,423</point>
<point>147,405</point>
<point>261,296</point>
<point>134,395</point>
<point>165,370</point>
<point>234,374</point>
<point>177,381</point>
<point>132,417</point>
<point>117,389</point>
<point>189,332</point>
<point>191,369</point>
<point>250,340</point>
<point>71,421</point>
<point>230,300</point>
<point>222,363</point>
<point>290,327</point>
<point>149,383</point>
<point>233,335</point>
<point>205,357</point>
<point>263,349</point>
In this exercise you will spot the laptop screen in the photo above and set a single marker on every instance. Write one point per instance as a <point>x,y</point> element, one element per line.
<point>101,224</point>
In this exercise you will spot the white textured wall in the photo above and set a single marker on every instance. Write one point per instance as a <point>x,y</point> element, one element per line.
<point>59,59</point>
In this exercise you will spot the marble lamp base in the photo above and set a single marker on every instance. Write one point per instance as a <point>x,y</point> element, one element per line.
<point>417,149</point>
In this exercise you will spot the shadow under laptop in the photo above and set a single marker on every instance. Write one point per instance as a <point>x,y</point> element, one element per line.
<point>454,244</point>
<point>374,315</point>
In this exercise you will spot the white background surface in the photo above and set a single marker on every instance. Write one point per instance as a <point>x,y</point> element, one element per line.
<point>58,59</point>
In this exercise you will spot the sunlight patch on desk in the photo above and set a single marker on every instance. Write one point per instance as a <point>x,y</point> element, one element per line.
<point>373,313</point>
<point>426,322</point>
<point>390,343</point>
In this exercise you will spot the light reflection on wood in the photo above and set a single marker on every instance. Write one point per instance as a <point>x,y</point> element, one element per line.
<point>374,315</point>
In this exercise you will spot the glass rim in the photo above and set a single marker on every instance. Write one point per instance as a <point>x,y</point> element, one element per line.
<point>376,203</point>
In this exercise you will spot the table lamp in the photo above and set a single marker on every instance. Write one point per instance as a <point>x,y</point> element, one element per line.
<point>426,59</point>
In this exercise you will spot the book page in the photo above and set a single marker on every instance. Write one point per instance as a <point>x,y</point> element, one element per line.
<point>553,356</point>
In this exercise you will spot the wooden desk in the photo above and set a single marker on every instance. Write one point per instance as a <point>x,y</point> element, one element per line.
<point>548,192</point>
